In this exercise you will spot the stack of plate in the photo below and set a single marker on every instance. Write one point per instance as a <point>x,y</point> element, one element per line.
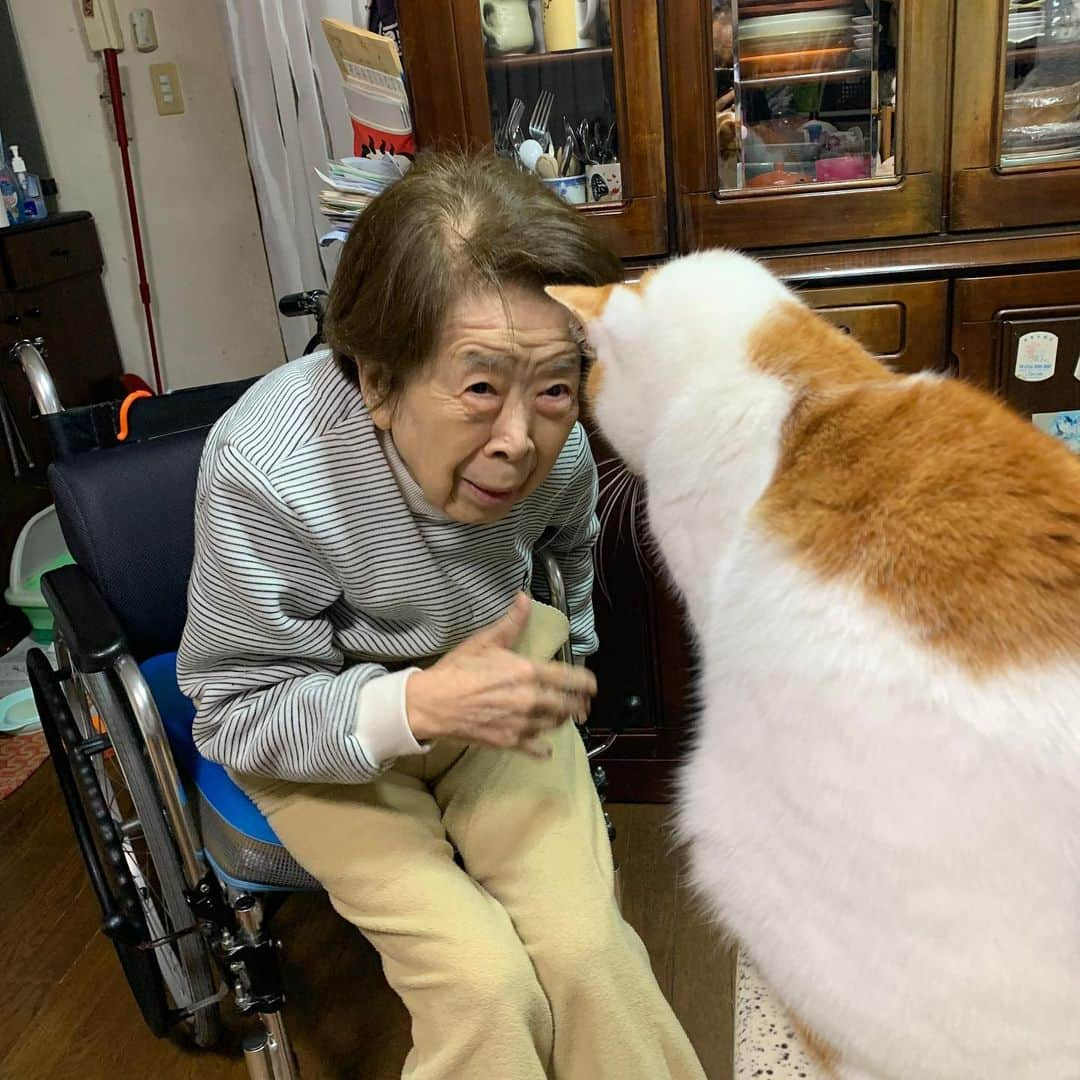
<point>795,42</point>
<point>1027,20</point>
<point>863,41</point>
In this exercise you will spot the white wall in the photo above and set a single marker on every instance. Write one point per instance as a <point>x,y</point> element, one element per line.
<point>213,304</point>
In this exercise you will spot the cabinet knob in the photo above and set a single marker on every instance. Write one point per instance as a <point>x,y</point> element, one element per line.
<point>633,712</point>
<point>60,252</point>
<point>33,312</point>
<point>13,320</point>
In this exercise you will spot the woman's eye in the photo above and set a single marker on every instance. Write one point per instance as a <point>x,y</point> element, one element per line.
<point>562,390</point>
<point>481,388</point>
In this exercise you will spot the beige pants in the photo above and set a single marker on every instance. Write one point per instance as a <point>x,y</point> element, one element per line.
<point>517,967</point>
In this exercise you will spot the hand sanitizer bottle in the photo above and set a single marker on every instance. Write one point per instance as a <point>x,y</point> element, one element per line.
<point>10,193</point>
<point>33,203</point>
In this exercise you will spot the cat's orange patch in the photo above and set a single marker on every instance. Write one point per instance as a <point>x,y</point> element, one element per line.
<point>586,302</point>
<point>943,506</point>
<point>820,1052</point>
<point>799,345</point>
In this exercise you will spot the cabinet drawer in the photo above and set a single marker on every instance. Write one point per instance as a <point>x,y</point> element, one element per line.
<point>51,254</point>
<point>878,327</point>
<point>905,324</point>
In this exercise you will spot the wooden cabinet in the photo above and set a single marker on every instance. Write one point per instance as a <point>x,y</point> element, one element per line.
<point>928,159</point>
<point>50,287</point>
<point>993,314</point>
<point>905,325</point>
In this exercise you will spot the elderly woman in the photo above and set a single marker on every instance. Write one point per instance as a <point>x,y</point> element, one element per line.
<point>365,660</point>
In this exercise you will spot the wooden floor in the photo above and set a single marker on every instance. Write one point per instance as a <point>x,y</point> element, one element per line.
<point>65,1011</point>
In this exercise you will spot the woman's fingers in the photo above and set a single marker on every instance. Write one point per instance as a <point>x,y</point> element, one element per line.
<point>536,747</point>
<point>578,680</point>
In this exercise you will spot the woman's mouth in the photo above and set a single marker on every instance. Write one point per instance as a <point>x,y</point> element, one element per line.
<point>491,496</point>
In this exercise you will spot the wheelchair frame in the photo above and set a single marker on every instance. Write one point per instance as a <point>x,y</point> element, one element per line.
<point>91,648</point>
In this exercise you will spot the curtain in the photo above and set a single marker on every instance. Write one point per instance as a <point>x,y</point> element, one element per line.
<point>294,115</point>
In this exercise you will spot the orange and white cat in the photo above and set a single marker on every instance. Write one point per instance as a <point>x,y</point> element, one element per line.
<point>883,574</point>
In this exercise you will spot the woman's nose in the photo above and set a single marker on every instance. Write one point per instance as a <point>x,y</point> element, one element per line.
<point>511,434</point>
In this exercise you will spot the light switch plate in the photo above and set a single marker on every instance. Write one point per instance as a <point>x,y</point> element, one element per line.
<point>165,80</point>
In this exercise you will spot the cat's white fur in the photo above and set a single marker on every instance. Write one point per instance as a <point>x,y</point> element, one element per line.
<point>895,843</point>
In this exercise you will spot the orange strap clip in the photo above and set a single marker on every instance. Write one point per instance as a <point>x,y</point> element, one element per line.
<point>125,408</point>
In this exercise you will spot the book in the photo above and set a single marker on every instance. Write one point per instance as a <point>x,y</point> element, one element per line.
<point>373,83</point>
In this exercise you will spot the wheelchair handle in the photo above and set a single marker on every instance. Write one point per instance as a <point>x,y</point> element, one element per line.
<point>312,302</point>
<point>29,355</point>
<point>557,588</point>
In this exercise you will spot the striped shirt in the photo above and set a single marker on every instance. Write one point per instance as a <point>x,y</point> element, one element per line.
<point>321,571</point>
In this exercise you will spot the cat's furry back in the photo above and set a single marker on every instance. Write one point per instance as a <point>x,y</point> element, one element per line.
<point>883,574</point>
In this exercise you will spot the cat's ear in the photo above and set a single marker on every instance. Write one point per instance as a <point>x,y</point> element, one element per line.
<point>585,302</point>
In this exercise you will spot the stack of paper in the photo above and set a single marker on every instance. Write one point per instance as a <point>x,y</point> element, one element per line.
<point>353,182</point>
<point>371,76</point>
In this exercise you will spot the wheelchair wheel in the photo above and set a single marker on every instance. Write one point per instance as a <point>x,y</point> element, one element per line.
<point>129,840</point>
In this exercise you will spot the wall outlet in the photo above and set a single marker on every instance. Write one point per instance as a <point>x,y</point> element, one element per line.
<point>143,30</point>
<point>167,93</point>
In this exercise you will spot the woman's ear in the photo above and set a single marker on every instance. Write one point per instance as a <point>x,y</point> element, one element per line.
<point>379,406</point>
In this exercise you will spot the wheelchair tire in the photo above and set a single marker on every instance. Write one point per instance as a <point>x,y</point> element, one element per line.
<point>96,836</point>
<point>182,970</point>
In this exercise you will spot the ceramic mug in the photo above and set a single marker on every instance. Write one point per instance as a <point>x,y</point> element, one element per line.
<point>570,24</point>
<point>507,25</point>
<point>604,182</point>
<point>570,189</point>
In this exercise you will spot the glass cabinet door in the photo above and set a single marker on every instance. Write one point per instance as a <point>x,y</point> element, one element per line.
<point>1016,114</point>
<point>805,91</point>
<point>810,120</point>
<point>551,91</point>
<point>566,89</point>
<point>1040,115</point>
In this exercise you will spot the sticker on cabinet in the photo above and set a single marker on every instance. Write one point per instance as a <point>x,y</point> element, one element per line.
<point>1036,356</point>
<point>1062,425</point>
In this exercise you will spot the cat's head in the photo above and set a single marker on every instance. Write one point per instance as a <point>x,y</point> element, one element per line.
<point>694,336</point>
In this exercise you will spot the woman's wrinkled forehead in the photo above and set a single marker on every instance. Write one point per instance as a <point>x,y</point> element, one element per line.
<point>513,321</point>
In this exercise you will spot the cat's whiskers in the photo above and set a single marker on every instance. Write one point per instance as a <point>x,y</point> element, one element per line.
<point>640,557</point>
<point>616,504</point>
<point>613,490</point>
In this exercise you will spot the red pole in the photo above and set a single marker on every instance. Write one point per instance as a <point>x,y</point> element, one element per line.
<point>112,70</point>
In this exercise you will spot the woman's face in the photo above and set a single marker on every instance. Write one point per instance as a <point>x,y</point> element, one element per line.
<point>482,424</point>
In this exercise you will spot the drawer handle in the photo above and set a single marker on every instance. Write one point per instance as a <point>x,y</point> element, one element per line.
<point>60,253</point>
<point>842,328</point>
<point>13,320</point>
<point>33,312</point>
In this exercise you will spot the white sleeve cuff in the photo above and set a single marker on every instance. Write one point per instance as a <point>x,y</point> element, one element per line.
<point>382,726</point>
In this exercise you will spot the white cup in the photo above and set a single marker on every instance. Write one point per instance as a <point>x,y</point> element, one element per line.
<point>569,24</point>
<point>570,189</point>
<point>507,25</point>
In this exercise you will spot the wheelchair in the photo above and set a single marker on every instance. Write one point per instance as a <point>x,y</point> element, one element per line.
<point>186,870</point>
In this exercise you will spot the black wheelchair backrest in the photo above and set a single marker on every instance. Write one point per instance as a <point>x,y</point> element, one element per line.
<point>127,511</point>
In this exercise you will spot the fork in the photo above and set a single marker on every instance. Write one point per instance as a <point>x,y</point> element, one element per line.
<point>538,125</point>
<point>513,124</point>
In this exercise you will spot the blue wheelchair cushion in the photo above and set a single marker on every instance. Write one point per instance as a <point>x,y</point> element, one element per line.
<point>215,784</point>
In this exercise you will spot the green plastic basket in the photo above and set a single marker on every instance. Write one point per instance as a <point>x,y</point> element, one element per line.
<point>39,549</point>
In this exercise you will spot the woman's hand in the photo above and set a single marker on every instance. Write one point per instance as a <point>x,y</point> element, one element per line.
<point>483,693</point>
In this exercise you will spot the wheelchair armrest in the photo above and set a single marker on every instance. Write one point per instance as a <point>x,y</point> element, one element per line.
<point>89,629</point>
